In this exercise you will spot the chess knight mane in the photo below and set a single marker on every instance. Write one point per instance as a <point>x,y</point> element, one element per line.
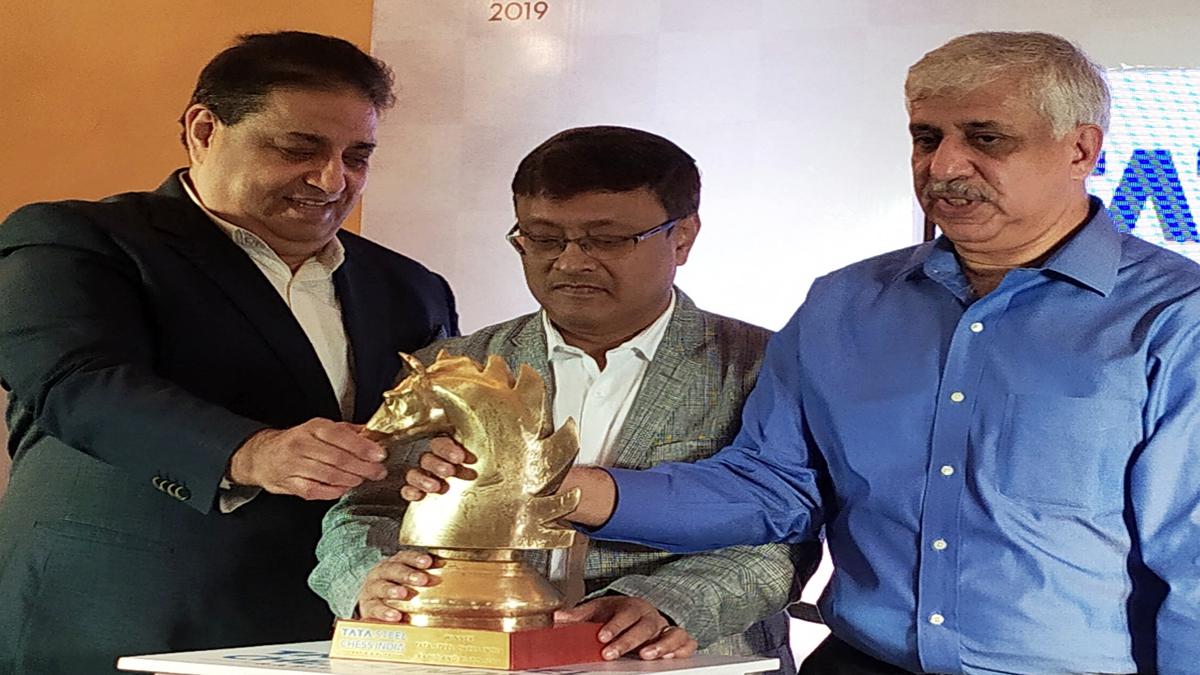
<point>505,422</point>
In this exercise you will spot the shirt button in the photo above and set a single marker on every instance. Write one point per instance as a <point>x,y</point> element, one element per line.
<point>937,619</point>
<point>957,397</point>
<point>977,327</point>
<point>947,470</point>
<point>939,544</point>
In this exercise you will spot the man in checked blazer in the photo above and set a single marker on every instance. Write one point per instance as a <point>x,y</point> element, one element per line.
<point>604,217</point>
<point>185,366</point>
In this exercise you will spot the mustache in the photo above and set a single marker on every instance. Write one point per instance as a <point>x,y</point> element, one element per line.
<point>957,188</point>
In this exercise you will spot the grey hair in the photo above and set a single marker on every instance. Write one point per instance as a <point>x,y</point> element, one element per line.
<point>1055,74</point>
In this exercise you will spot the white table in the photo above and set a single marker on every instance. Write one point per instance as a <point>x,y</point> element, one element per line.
<point>313,657</point>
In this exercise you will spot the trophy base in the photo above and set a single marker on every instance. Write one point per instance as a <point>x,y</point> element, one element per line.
<point>560,645</point>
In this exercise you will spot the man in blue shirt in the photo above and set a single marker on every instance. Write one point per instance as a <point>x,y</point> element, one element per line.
<point>997,429</point>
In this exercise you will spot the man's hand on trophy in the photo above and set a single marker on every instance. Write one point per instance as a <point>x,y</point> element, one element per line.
<point>631,623</point>
<point>394,578</point>
<point>444,459</point>
<point>319,459</point>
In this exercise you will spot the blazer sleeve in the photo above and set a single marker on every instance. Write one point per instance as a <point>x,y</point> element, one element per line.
<point>723,592</point>
<point>360,531</point>
<point>363,527</point>
<point>76,350</point>
<point>716,594</point>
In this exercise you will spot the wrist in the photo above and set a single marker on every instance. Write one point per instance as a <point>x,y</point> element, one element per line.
<point>598,495</point>
<point>239,470</point>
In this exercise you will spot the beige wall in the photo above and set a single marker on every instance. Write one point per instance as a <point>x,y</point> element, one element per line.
<point>93,90</point>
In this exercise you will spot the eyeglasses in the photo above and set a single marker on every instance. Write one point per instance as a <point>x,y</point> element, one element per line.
<point>600,246</point>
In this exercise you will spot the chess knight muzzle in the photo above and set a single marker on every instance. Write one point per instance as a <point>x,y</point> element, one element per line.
<point>478,528</point>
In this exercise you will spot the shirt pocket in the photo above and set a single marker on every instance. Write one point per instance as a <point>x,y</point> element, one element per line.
<point>1064,452</point>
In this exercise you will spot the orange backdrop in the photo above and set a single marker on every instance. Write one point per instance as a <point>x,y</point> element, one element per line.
<point>92,91</point>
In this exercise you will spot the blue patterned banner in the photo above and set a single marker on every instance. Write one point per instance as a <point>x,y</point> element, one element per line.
<point>1149,173</point>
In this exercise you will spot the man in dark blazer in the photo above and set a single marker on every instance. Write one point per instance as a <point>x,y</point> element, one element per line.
<point>185,365</point>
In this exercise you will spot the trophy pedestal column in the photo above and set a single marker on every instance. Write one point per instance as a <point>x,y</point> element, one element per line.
<point>486,590</point>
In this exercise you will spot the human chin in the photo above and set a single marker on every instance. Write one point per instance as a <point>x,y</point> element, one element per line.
<point>317,219</point>
<point>961,231</point>
<point>573,318</point>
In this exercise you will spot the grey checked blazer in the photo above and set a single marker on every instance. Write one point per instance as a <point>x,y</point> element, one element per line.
<point>688,407</point>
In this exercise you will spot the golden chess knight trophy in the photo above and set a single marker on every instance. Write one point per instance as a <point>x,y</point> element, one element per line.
<point>477,529</point>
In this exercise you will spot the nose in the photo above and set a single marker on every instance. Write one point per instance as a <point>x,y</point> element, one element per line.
<point>330,176</point>
<point>574,258</point>
<point>950,160</point>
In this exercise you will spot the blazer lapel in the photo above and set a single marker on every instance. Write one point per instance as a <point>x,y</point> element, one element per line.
<point>195,237</point>
<point>528,345</point>
<point>667,379</point>
<point>375,364</point>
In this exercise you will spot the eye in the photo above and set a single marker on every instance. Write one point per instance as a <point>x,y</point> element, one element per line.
<point>925,142</point>
<point>357,161</point>
<point>986,140</point>
<point>296,154</point>
<point>605,242</point>
<point>543,244</point>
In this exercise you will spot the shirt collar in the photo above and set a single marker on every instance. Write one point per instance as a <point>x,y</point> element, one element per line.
<point>330,257</point>
<point>644,344</point>
<point>1090,257</point>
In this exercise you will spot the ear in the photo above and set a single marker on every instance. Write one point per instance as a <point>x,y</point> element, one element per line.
<point>199,126</point>
<point>413,364</point>
<point>1088,139</point>
<point>684,235</point>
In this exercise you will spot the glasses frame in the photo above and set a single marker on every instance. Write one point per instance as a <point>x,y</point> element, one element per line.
<point>665,226</point>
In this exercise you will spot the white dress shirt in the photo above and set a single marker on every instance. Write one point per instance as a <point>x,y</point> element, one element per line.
<point>599,401</point>
<point>310,294</point>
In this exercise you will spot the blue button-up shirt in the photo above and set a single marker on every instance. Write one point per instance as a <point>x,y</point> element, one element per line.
<point>1008,484</point>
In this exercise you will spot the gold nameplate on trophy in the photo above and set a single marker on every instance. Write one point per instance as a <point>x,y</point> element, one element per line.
<point>477,528</point>
<point>522,650</point>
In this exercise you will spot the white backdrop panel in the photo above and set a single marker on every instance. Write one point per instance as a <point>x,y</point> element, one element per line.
<point>793,109</point>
